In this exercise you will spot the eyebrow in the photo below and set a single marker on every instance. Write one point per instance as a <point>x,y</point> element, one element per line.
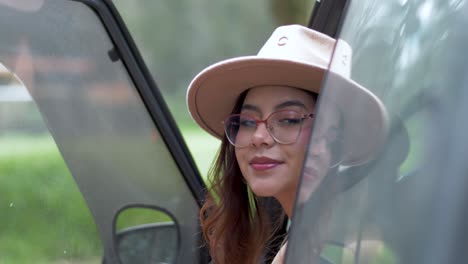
<point>290,103</point>
<point>251,107</point>
<point>277,107</point>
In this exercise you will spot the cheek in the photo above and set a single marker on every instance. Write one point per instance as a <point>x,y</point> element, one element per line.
<point>304,137</point>
<point>301,146</point>
<point>297,151</point>
<point>240,156</point>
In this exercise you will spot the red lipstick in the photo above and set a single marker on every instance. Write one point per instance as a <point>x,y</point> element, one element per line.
<point>264,163</point>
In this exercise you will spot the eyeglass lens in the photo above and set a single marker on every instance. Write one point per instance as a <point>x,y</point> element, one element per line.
<point>283,126</point>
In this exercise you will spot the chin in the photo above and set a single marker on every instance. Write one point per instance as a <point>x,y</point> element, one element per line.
<point>262,189</point>
<point>267,183</point>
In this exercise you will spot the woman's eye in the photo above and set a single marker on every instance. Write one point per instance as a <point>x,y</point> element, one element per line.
<point>247,123</point>
<point>290,121</point>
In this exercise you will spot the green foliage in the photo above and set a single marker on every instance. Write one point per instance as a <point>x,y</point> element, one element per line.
<point>202,146</point>
<point>131,217</point>
<point>292,11</point>
<point>178,38</point>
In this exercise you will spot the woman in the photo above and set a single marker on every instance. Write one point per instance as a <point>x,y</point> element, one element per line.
<point>263,109</point>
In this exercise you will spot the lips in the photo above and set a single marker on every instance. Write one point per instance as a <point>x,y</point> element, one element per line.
<point>264,163</point>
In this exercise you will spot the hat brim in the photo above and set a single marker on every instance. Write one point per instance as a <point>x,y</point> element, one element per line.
<point>213,93</point>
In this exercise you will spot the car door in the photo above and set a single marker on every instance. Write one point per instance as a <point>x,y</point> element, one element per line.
<point>407,204</point>
<point>110,125</point>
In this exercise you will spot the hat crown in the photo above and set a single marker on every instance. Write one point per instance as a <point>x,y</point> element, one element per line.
<point>299,43</point>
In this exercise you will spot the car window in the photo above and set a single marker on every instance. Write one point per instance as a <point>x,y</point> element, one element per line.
<point>105,146</point>
<point>407,202</point>
<point>44,216</point>
<point>177,39</point>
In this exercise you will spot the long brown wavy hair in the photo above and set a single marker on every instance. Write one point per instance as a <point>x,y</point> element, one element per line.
<point>235,224</point>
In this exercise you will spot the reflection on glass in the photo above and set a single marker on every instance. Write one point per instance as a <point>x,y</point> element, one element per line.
<point>145,235</point>
<point>324,155</point>
<point>134,216</point>
<point>408,201</point>
<point>370,251</point>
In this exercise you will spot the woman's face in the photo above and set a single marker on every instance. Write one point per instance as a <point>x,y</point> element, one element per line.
<point>319,158</point>
<point>271,168</point>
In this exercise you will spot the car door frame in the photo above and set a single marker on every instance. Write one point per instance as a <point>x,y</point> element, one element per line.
<point>127,52</point>
<point>327,16</point>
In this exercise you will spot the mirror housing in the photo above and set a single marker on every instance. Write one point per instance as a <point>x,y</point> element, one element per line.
<point>150,243</point>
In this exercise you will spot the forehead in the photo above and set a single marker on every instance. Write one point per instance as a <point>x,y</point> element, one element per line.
<point>267,97</point>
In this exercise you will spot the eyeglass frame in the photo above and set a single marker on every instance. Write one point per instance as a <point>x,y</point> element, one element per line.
<point>265,121</point>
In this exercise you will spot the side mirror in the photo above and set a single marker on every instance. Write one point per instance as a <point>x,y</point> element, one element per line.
<point>152,243</point>
<point>146,235</point>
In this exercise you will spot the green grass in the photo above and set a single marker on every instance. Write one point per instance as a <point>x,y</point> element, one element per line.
<point>17,146</point>
<point>202,146</point>
<point>44,216</point>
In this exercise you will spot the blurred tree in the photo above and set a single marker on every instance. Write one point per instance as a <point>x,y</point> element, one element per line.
<point>178,38</point>
<point>292,11</point>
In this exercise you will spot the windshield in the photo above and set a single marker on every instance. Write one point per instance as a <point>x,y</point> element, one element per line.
<point>398,192</point>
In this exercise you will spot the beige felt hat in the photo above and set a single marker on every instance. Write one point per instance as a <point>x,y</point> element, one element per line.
<point>293,56</point>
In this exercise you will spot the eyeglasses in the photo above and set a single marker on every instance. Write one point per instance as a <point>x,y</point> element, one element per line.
<point>283,126</point>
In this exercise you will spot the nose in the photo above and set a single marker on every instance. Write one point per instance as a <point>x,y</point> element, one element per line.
<point>262,136</point>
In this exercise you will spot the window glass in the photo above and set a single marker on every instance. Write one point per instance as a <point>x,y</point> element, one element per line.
<point>404,202</point>
<point>44,216</point>
<point>110,144</point>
